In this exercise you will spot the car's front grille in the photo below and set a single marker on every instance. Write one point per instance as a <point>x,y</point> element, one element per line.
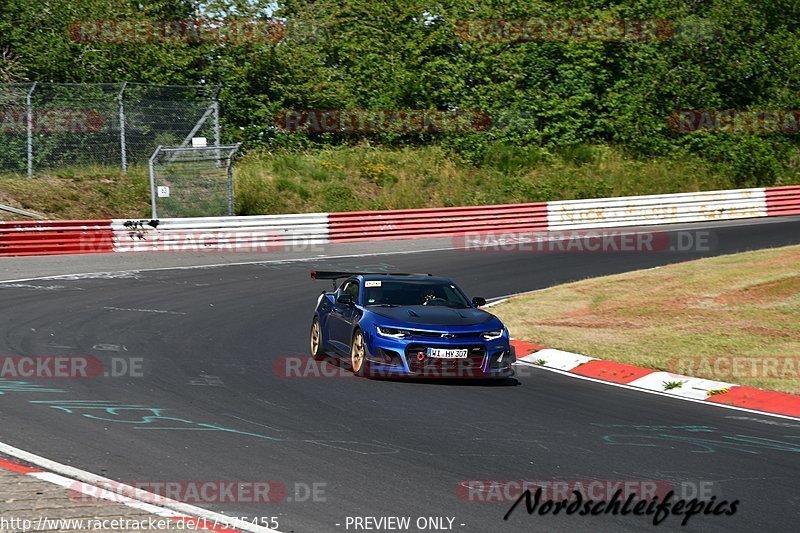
<point>420,363</point>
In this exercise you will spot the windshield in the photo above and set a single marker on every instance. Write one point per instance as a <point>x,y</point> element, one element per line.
<point>405,292</point>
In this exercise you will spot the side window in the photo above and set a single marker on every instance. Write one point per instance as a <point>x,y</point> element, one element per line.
<point>351,288</point>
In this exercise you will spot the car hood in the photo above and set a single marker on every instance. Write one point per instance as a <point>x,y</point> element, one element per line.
<point>433,315</point>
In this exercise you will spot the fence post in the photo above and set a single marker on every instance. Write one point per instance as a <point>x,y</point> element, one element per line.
<point>230,178</point>
<point>230,188</point>
<point>29,114</point>
<point>124,156</point>
<point>216,122</point>
<point>153,184</point>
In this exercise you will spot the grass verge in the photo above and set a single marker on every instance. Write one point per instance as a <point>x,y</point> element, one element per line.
<point>365,178</point>
<point>734,318</point>
<point>84,193</point>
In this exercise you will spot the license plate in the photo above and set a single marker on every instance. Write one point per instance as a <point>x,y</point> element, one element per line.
<point>444,353</point>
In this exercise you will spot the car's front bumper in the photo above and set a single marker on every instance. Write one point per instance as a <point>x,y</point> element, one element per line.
<point>390,357</point>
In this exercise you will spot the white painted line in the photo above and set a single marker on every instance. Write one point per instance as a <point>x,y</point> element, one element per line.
<point>159,311</point>
<point>166,507</point>
<point>41,287</point>
<point>647,391</point>
<point>103,494</point>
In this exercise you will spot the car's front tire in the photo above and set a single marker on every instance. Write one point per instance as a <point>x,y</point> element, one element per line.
<point>316,341</point>
<point>358,355</point>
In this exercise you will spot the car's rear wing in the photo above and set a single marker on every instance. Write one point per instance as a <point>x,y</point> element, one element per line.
<point>330,274</point>
<point>336,275</point>
<point>333,274</point>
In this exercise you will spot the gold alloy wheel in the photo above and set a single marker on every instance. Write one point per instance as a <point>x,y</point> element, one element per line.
<point>357,353</point>
<point>315,338</point>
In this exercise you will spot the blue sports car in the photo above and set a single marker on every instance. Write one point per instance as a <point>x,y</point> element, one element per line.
<point>414,325</point>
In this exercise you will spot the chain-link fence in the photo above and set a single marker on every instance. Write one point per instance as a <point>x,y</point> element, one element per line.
<point>52,125</point>
<point>192,182</point>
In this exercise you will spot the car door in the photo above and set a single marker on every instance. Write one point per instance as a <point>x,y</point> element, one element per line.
<point>342,316</point>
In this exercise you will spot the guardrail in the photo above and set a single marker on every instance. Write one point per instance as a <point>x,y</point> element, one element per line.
<point>269,232</point>
<point>56,237</point>
<point>656,209</point>
<point>251,233</point>
<point>443,222</point>
<point>23,212</point>
<point>783,201</point>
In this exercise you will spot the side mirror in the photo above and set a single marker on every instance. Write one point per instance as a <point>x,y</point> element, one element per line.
<point>345,299</point>
<point>477,301</point>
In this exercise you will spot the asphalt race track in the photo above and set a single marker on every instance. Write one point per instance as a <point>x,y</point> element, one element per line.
<point>212,403</point>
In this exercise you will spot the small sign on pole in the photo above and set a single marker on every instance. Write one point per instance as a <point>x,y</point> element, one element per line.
<point>163,191</point>
<point>199,142</point>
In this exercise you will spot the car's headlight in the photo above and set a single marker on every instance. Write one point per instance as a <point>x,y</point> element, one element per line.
<point>492,335</point>
<point>393,333</point>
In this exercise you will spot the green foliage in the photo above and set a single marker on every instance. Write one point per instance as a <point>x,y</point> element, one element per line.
<point>512,159</point>
<point>338,197</point>
<point>669,385</point>
<point>577,154</point>
<point>363,178</point>
<point>544,97</point>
